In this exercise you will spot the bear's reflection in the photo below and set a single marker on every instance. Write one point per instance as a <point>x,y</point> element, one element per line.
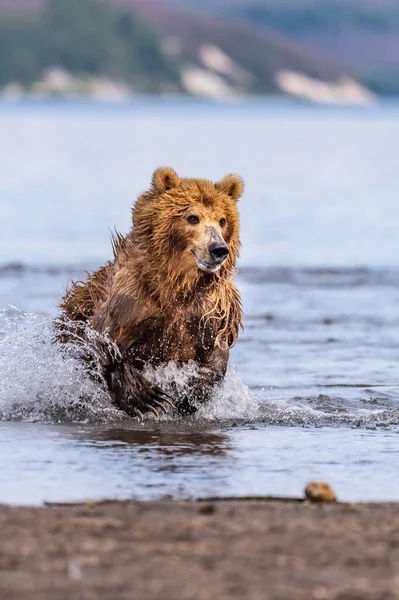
<point>166,442</point>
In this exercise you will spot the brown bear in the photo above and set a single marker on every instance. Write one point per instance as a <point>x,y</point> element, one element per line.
<point>168,294</point>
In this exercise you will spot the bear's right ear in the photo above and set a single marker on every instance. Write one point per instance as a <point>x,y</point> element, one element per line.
<point>164,179</point>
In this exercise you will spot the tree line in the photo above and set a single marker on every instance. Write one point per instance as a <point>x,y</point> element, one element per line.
<point>86,38</point>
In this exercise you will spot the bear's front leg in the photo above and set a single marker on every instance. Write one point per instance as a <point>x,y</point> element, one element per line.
<point>129,389</point>
<point>133,393</point>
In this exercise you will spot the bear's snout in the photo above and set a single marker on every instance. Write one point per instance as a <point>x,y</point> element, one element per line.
<point>218,251</point>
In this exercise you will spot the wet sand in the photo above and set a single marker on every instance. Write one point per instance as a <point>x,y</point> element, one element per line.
<point>258,549</point>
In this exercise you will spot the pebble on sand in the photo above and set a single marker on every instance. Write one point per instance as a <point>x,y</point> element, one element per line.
<point>319,491</point>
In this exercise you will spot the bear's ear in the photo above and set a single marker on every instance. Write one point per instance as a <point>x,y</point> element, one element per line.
<point>164,179</point>
<point>232,185</point>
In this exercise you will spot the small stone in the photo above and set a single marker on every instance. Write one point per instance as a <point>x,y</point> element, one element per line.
<point>207,509</point>
<point>319,491</point>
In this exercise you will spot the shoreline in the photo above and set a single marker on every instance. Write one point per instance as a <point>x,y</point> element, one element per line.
<point>284,548</point>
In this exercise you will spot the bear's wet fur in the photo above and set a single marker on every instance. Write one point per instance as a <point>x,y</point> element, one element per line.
<point>168,294</point>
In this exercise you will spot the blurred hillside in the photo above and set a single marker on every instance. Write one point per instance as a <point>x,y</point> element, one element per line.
<point>362,35</point>
<point>80,44</point>
<point>118,47</point>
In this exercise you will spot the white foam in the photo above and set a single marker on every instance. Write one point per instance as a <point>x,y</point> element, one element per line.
<point>38,382</point>
<point>231,400</point>
<point>43,381</point>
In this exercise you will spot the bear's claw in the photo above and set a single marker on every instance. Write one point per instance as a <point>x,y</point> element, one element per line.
<point>139,414</point>
<point>165,397</point>
<point>154,410</point>
<point>142,396</point>
<point>151,401</point>
<point>161,406</point>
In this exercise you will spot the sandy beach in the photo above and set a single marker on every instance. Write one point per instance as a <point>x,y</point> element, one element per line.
<point>258,549</point>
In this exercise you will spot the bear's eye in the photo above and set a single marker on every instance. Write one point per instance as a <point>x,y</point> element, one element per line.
<point>222,222</point>
<point>193,219</point>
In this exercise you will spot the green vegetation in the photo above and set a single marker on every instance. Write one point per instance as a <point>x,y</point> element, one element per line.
<point>331,17</point>
<point>86,38</point>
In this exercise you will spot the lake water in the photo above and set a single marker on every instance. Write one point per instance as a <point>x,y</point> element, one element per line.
<point>313,388</point>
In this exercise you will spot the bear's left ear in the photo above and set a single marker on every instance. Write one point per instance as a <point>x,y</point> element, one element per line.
<point>232,185</point>
<point>164,179</point>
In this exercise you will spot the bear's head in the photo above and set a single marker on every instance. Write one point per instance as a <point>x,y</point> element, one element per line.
<point>189,228</point>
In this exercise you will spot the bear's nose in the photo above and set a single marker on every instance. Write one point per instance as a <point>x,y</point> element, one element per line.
<point>218,251</point>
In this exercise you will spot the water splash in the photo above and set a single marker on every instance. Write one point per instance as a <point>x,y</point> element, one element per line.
<point>41,381</point>
<point>231,401</point>
<point>38,382</point>
<point>326,411</point>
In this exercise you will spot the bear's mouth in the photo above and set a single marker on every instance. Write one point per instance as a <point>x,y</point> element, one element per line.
<point>207,267</point>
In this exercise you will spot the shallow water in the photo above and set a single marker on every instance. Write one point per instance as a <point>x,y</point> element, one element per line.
<point>313,390</point>
<point>71,463</point>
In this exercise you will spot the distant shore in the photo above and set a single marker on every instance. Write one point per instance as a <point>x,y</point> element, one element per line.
<point>58,83</point>
<point>189,549</point>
